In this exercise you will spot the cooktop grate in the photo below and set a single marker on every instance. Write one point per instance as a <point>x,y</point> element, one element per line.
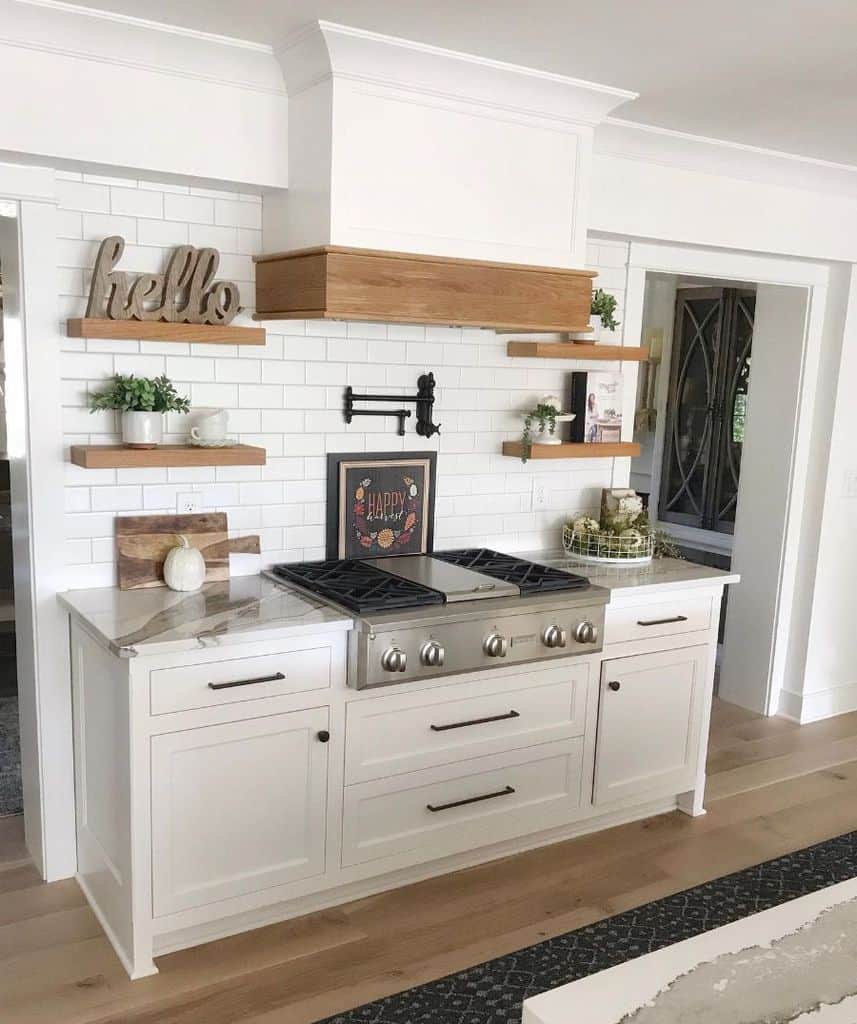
<point>356,585</point>
<point>530,577</point>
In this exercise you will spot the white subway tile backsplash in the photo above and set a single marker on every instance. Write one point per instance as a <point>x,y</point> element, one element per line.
<point>261,396</point>
<point>139,365</point>
<point>238,371</point>
<point>82,197</point>
<point>222,238</point>
<point>161,232</point>
<point>117,499</point>
<point>137,202</point>
<point>286,395</point>
<point>214,395</point>
<point>194,209</point>
<point>282,421</point>
<point>97,226</point>
<point>286,372</point>
<point>189,368</point>
<point>232,213</point>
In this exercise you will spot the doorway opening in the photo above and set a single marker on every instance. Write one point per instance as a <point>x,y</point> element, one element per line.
<point>691,409</point>
<point>755,418</point>
<point>11,793</point>
<point>691,413</point>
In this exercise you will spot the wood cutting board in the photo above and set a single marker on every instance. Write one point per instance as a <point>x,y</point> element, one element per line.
<point>142,543</point>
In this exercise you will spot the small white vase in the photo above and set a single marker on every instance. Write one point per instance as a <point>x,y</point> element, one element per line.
<point>544,436</point>
<point>142,429</point>
<point>591,337</point>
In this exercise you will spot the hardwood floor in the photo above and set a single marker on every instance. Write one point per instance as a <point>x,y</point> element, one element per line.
<point>774,787</point>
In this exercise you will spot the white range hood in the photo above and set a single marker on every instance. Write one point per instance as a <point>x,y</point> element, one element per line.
<point>395,145</point>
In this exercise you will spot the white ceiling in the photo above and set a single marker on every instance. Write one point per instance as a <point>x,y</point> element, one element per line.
<point>780,74</point>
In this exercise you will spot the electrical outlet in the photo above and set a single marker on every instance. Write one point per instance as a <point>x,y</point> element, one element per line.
<point>540,494</point>
<point>188,504</point>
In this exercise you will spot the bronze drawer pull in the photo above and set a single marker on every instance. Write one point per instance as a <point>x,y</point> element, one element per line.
<point>475,721</point>
<point>661,622</point>
<point>276,677</point>
<point>470,800</point>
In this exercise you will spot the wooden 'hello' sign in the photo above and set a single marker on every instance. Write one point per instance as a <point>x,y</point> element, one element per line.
<point>186,293</point>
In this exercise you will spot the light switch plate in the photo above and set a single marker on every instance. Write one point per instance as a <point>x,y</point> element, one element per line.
<point>849,483</point>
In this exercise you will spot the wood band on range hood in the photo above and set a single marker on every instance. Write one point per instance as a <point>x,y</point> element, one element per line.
<point>337,283</point>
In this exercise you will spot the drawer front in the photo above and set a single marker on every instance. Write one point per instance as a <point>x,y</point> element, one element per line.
<point>410,731</point>
<point>188,687</point>
<point>425,815</point>
<point>681,614</point>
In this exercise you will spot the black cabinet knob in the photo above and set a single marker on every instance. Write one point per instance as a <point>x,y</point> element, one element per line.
<point>614,685</point>
<point>322,736</point>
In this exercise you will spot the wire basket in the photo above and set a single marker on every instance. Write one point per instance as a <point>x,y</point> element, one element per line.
<point>608,548</point>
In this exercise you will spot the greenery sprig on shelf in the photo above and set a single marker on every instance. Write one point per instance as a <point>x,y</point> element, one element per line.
<point>140,394</point>
<point>545,416</point>
<point>604,305</point>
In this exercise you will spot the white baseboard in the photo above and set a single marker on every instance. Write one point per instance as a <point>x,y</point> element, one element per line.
<point>813,707</point>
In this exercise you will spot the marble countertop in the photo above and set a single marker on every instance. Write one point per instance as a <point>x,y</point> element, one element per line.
<point>660,574</point>
<point>157,620</point>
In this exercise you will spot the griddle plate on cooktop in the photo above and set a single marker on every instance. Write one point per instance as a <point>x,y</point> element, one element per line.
<point>356,585</point>
<point>530,577</point>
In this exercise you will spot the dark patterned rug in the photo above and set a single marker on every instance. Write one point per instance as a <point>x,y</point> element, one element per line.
<point>11,799</point>
<point>492,993</point>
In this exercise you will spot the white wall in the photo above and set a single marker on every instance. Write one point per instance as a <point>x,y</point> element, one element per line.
<point>287,396</point>
<point>828,684</point>
<point>123,93</point>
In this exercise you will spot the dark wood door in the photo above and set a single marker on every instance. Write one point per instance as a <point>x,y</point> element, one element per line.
<point>706,408</point>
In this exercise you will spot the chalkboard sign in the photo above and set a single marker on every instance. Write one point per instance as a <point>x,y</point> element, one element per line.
<point>380,504</point>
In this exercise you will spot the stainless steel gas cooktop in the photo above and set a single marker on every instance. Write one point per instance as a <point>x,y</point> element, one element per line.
<point>424,616</point>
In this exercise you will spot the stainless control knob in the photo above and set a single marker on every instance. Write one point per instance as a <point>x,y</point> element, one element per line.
<point>494,646</point>
<point>554,636</point>
<point>586,633</point>
<point>394,659</point>
<point>432,654</point>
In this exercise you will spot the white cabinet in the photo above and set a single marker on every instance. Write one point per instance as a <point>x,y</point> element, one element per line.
<point>649,727</point>
<point>237,808</point>
<point>420,816</point>
<point>412,730</point>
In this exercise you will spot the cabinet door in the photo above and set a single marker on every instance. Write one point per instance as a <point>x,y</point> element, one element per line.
<point>237,808</point>
<point>648,724</point>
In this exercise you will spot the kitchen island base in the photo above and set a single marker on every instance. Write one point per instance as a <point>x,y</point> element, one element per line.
<point>238,783</point>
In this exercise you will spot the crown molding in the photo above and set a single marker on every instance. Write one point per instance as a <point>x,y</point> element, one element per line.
<point>64,29</point>
<point>147,23</point>
<point>632,140</point>
<point>325,50</point>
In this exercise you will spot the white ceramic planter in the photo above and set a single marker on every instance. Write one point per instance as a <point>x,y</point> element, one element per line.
<point>142,429</point>
<point>590,338</point>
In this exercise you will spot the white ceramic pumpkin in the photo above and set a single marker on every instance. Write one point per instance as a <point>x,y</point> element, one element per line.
<point>184,566</point>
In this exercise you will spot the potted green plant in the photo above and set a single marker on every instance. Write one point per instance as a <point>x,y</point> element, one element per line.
<point>544,414</point>
<point>602,315</point>
<point>142,401</point>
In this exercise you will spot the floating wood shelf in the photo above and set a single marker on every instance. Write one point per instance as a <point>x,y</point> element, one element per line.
<point>153,330</point>
<point>619,449</point>
<point>571,350</point>
<point>117,456</point>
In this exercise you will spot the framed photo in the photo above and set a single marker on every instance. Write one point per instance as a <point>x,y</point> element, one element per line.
<point>380,504</point>
<point>596,401</point>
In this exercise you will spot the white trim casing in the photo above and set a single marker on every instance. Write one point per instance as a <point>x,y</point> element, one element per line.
<point>800,529</point>
<point>37,478</point>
